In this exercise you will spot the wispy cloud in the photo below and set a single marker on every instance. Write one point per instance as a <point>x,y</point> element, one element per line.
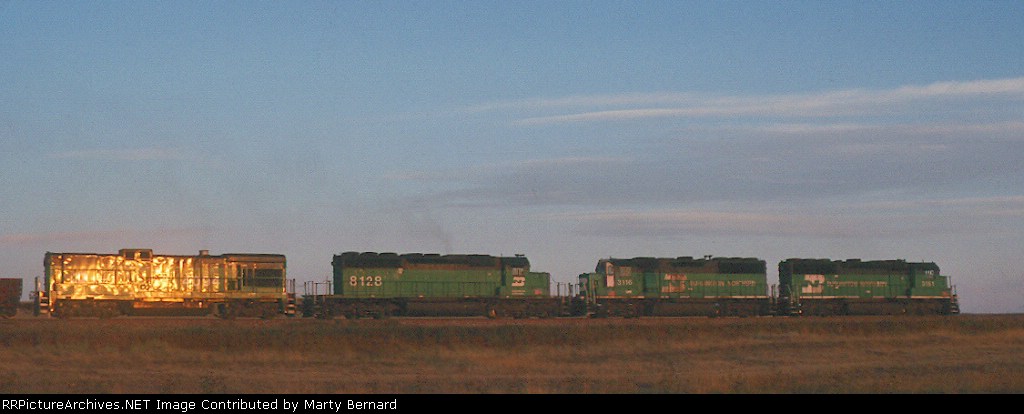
<point>796,165</point>
<point>587,101</point>
<point>1012,86</point>
<point>1012,205</point>
<point>106,236</point>
<point>895,219</point>
<point>25,238</point>
<point>133,154</point>
<point>1010,128</point>
<point>919,159</point>
<point>630,222</point>
<point>822,104</point>
<point>489,170</point>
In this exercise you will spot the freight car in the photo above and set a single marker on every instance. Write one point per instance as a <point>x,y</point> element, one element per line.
<point>138,282</point>
<point>380,285</point>
<point>855,287</point>
<point>683,286</point>
<point>10,297</point>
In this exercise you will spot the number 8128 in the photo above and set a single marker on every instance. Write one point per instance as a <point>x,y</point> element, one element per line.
<point>365,280</point>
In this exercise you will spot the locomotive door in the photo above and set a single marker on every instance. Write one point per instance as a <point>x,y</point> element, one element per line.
<point>652,285</point>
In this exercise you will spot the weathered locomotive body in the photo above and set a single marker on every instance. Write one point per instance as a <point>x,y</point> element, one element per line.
<point>389,284</point>
<point>10,297</point>
<point>855,287</point>
<point>137,282</point>
<point>682,286</point>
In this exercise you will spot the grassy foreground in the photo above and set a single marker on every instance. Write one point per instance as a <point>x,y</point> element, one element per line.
<point>961,354</point>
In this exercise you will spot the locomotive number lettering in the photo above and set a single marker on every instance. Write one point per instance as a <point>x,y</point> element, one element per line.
<point>624,282</point>
<point>365,281</point>
<point>518,281</point>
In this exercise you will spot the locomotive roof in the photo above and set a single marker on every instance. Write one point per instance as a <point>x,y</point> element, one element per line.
<point>835,266</point>
<point>668,264</point>
<point>204,253</point>
<point>373,259</point>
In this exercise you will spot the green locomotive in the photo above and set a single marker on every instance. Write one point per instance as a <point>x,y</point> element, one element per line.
<point>683,286</point>
<point>138,282</point>
<point>855,287</point>
<point>379,285</point>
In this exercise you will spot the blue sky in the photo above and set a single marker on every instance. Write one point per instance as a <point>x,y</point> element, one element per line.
<point>567,131</point>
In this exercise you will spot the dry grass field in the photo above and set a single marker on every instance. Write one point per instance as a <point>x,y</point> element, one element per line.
<point>961,354</point>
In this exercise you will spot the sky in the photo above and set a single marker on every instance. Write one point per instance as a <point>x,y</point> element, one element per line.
<point>567,131</point>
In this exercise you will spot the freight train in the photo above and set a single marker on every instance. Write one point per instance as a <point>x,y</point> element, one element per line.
<point>381,285</point>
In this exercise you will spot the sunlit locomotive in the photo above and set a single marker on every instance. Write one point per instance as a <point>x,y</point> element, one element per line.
<point>138,282</point>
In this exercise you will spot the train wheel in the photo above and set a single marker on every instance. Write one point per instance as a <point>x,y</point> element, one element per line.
<point>324,312</point>
<point>226,311</point>
<point>633,311</point>
<point>376,311</point>
<point>61,310</point>
<point>269,311</point>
